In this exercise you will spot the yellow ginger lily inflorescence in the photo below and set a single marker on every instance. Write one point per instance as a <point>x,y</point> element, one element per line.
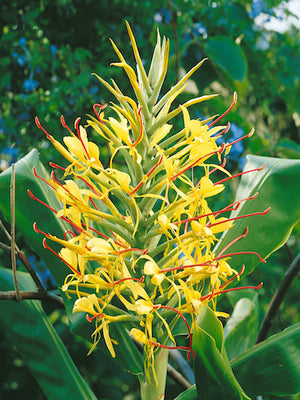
<point>140,247</point>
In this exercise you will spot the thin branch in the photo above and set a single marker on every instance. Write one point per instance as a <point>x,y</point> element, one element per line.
<point>277,299</point>
<point>12,231</point>
<point>27,295</point>
<point>21,256</point>
<point>177,377</point>
<point>6,231</point>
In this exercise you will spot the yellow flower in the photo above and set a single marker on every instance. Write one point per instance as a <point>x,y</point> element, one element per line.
<point>142,232</point>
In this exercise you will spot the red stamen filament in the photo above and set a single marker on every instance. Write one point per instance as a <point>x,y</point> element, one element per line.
<point>239,201</point>
<point>199,159</point>
<point>241,138</point>
<point>44,180</point>
<point>52,251</point>
<point>149,173</point>
<point>101,107</point>
<point>79,136</point>
<point>207,263</point>
<point>141,128</point>
<point>214,170</point>
<point>227,111</point>
<point>71,233</point>
<point>239,174</point>
<point>141,280</point>
<point>90,319</point>
<point>38,124</point>
<point>155,166</point>
<point>234,241</point>
<point>239,217</point>
<point>231,290</point>
<point>238,253</point>
<point>136,188</point>
<point>92,201</point>
<point>53,165</point>
<point>223,131</point>
<point>206,215</point>
<point>184,320</point>
<point>69,221</point>
<point>234,277</point>
<point>175,347</point>
<point>63,122</point>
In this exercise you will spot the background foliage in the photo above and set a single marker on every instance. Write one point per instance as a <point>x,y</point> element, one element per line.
<point>49,50</point>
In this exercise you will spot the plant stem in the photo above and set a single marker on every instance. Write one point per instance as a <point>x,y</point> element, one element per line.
<point>277,299</point>
<point>151,388</point>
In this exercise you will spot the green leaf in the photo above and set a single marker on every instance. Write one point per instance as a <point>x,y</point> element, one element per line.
<point>39,345</point>
<point>213,373</point>
<point>27,212</point>
<point>278,188</point>
<point>221,51</point>
<point>188,394</point>
<point>241,328</point>
<point>273,366</point>
<point>287,148</point>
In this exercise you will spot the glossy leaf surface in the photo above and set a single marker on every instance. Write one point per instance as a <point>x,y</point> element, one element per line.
<point>221,51</point>
<point>213,373</point>
<point>39,345</point>
<point>273,366</point>
<point>276,188</point>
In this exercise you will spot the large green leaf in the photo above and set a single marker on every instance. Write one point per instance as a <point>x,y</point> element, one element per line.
<point>221,51</point>
<point>39,345</point>
<point>27,212</point>
<point>278,187</point>
<point>213,373</point>
<point>188,394</point>
<point>241,328</point>
<point>273,366</point>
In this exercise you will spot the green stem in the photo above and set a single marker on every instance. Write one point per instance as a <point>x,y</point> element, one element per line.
<point>152,389</point>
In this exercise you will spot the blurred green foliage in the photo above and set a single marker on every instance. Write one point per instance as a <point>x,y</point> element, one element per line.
<point>49,50</point>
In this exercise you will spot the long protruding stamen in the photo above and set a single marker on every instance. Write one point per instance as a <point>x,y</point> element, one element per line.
<point>227,111</point>
<point>214,170</point>
<point>240,174</point>
<point>234,277</point>
<point>102,107</point>
<point>205,264</point>
<point>90,319</point>
<point>159,306</point>
<point>39,125</point>
<point>57,255</point>
<point>239,253</point>
<point>206,215</point>
<point>148,175</point>
<point>188,349</point>
<point>208,225</point>
<point>77,121</point>
<point>219,151</point>
<point>234,241</point>
<point>41,178</point>
<point>53,165</point>
<point>140,280</point>
<point>248,135</point>
<point>223,131</point>
<point>230,290</point>
<point>63,122</point>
